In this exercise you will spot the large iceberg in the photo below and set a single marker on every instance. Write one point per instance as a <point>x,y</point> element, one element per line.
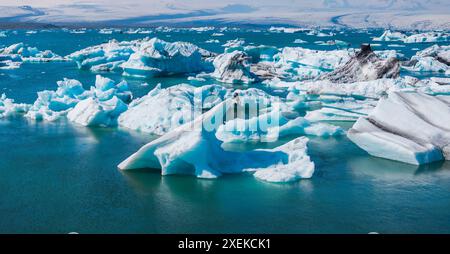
<point>233,68</point>
<point>194,149</point>
<point>144,57</point>
<point>156,57</point>
<point>408,127</point>
<point>51,105</point>
<point>364,66</point>
<point>162,110</point>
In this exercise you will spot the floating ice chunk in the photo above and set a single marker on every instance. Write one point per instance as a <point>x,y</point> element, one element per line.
<point>194,149</point>
<point>300,41</point>
<point>408,127</point>
<point>432,59</point>
<point>162,110</point>
<point>94,112</point>
<point>389,35</point>
<point>212,41</point>
<point>300,63</point>
<point>51,105</point>
<point>13,55</point>
<point>427,37</point>
<point>270,127</point>
<point>233,68</point>
<point>364,66</point>
<point>288,30</point>
<point>106,53</point>
<point>202,29</point>
<point>232,45</point>
<point>9,107</point>
<point>157,57</point>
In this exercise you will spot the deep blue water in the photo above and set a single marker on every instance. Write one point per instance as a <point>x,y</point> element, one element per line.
<point>60,177</point>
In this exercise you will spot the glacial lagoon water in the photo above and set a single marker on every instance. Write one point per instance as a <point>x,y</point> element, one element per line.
<point>58,177</point>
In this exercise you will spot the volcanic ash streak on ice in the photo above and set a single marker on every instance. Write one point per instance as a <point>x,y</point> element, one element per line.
<point>408,127</point>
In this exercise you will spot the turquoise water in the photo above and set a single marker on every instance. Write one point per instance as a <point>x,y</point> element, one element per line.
<point>59,177</point>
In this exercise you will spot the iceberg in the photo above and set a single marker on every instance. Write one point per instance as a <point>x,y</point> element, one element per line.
<point>300,63</point>
<point>163,110</point>
<point>389,35</point>
<point>233,68</point>
<point>95,112</point>
<point>364,66</point>
<point>8,107</point>
<point>194,149</point>
<point>408,127</point>
<point>432,59</point>
<point>14,55</point>
<point>156,57</point>
<point>112,53</point>
<point>270,127</point>
<point>427,37</point>
<point>144,58</point>
<point>51,105</point>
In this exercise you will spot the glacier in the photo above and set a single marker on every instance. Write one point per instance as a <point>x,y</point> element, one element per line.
<point>408,127</point>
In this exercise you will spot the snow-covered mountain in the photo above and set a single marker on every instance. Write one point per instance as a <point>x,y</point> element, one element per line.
<point>403,14</point>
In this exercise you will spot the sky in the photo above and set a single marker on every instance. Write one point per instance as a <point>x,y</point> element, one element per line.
<point>402,13</point>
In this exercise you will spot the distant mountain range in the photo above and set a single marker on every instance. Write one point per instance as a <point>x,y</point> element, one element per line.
<point>397,14</point>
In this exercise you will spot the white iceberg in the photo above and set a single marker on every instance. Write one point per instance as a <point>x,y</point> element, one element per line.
<point>407,127</point>
<point>144,57</point>
<point>389,35</point>
<point>163,110</point>
<point>427,37</point>
<point>8,107</point>
<point>95,112</point>
<point>51,105</point>
<point>432,59</point>
<point>194,149</point>
<point>13,55</point>
<point>300,63</point>
<point>270,127</point>
<point>157,58</point>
